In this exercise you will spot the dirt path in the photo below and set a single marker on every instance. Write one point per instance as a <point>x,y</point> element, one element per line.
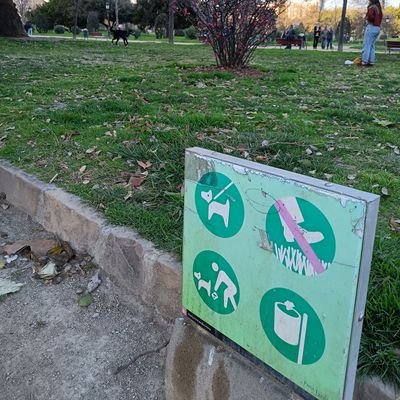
<point>51,348</point>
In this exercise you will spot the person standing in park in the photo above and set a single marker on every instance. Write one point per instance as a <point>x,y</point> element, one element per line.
<point>317,34</point>
<point>329,39</point>
<point>374,19</point>
<point>324,37</point>
<point>28,28</point>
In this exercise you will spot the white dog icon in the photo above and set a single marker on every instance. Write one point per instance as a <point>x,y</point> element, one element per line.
<point>217,208</point>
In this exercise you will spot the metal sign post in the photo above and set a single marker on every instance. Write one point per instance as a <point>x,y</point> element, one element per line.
<point>279,263</point>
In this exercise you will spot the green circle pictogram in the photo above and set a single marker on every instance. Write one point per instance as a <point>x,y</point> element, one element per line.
<point>216,282</point>
<point>219,204</point>
<point>301,236</point>
<point>292,326</point>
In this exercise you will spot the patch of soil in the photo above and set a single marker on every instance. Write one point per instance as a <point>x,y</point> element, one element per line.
<point>51,348</point>
<point>241,72</point>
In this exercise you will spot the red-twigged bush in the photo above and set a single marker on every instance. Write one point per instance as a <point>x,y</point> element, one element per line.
<point>233,28</point>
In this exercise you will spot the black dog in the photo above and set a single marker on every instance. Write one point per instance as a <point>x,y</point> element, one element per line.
<point>120,34</point>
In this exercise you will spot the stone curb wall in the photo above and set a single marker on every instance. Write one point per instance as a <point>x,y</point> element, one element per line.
<point>133,263</point>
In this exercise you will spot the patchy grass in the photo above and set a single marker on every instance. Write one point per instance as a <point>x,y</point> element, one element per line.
<point>92,117</point>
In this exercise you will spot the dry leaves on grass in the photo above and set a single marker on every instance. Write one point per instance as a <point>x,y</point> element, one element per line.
<point>384,123</point>
<point>145,165</point>
<point>137,180</point>
<point>394,224</point>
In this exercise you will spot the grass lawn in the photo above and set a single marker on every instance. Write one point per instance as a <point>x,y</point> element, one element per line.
<point>110,124</point>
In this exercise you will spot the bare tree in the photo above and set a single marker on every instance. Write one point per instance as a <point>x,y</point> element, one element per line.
<point>22,7</point>
<point>234,28</point>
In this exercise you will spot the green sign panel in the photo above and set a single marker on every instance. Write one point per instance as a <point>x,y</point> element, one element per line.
<point>279,263</point>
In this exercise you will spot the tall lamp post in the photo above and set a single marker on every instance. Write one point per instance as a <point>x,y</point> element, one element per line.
<point>29,21</point>
<point>387,21</point>
<point>108,18</point>
<point>75,19</point>
<point>171,13</point>
<point>341,30</point>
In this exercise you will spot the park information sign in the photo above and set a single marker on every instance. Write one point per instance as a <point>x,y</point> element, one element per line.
<point>279,263</point>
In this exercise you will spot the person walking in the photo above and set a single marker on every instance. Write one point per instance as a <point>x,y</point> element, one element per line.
<point>317,34</point>
<point>374,19</point>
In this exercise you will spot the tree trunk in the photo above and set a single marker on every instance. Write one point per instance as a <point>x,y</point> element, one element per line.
<point>10,21</point>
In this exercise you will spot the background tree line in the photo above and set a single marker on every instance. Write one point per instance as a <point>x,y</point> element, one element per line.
<point>354,22</point>
<point>146,13</point>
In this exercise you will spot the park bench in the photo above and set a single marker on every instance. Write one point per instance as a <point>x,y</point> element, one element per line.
<point>392,45</point>
<point>293,42</point>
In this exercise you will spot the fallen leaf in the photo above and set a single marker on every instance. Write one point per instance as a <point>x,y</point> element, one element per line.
<point>394,224</point>
<point>128,195</point>
<point>86,181</point>
<point>7,286</point>
<point>308,151</point>
<point>94,282</point>
<point>86,300</point>
<point>39,246</point>
<point>384,123</point>
<point>91,150</point>
<point>82,169</point>
<point>385,191</point>
<point>144,165</point>
<point>136,180</point>
<point>351,177</point>
<point>49,271</point>
<point>56,250</point>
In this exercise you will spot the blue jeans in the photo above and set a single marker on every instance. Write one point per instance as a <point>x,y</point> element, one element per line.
<point>370,36</point>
